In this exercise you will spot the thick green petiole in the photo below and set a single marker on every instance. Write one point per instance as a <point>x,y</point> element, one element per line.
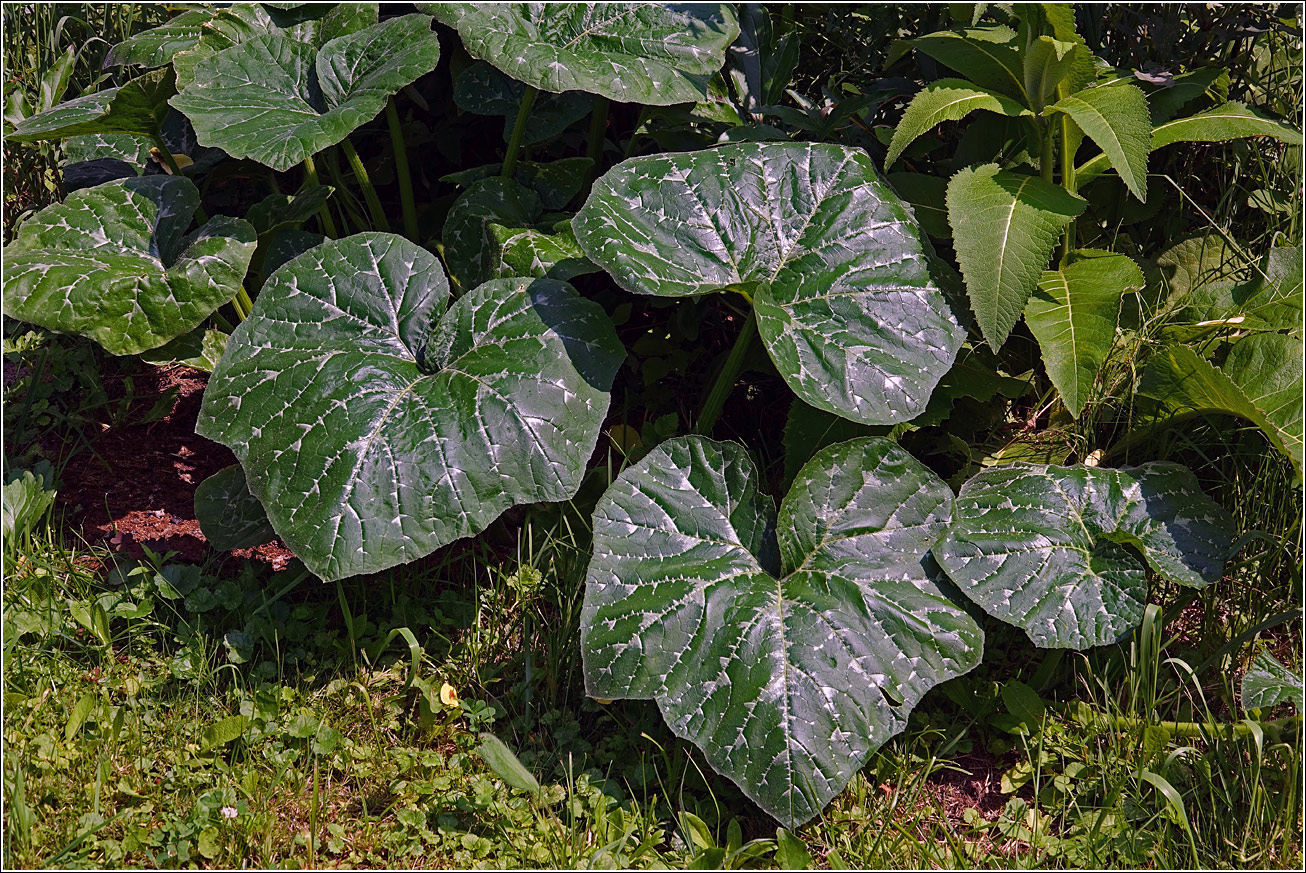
<point>379,221</point>
<point>310,176</point>
<point>725,380</point>
<point>1067,182</point>
<point>597,135</point>
<point>518,132</point>
<point>401,169</point>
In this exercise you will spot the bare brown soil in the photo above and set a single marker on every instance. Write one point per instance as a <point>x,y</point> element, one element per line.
<point>135,485</point>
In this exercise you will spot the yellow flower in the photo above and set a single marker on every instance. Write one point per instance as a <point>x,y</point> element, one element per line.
<point>448,695</point>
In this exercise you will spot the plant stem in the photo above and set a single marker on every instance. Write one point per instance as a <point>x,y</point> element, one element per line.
<point>401,169</point>
<point>310,176</point>
<point>246,306</point>
<point>201,217</point>
<point>1067,182</point>
<point>518,132</point>
<point>1048,157</point>
<point>725,380</point>
<point>379,221</point>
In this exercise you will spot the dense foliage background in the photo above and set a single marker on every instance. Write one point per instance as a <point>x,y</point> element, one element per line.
<point>167,704</point>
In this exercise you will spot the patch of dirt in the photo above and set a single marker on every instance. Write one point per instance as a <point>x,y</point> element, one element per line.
<point>135,484</point>
<point>979,787</point>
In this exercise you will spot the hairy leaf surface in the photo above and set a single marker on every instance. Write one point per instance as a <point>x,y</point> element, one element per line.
<point>945,100</point>
<point>114,263</point>
<point>1074,314</point>
<point>787,646</point>
<point>375,426</point>
<point>1044,547</point>
<point>1005,226</point>
<point>632,52</point>
<point>839,272</point>
<point>1116,118</point>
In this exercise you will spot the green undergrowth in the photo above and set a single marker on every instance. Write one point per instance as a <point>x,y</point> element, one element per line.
<point>159,714</point>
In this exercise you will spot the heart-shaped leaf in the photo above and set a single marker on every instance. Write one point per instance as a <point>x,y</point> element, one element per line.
<point>229,516</point>
<point>483,90</point>
<point>278,100</point>
<point>469,242</point>
<point>788,647</point>
<point>138,107</point>
<point>1044,547</point>
<point>1261,381</point>
<point>631,52</point>
<point>113,263</point>
<point>839,273</point>
<point>1005,226</point>
<point>375,427</point>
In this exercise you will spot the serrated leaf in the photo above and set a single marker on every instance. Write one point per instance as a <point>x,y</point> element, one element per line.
<point>138,107</point>
<point>630,52</point>
<point>1228,121</point>
<point>483,90</point>
<point>1267,683</point>
<point>945,100</point>
<point>1116,118</point>
<point>1224,122</point>
<point>988,57</point>
<point>1005,226</point>
<point>1044,548</point>
<point>229,516</point>
<point>1048,62</point>
<point>846,300</point>
<point>1074,314</point>
<point>279,100</point>
<point>1166,101</point>
<point>1260,381</point>
<point>787,646</point>
<point>379,426</point>
<point>111,263</point>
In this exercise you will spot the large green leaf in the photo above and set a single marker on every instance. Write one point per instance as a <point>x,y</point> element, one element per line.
<point>1116,118</point>
<point>1074,314</point>
<point>278,100</point>
<point>229,516</point>
<point>470,246</point>
<point>632,52</point>
<point>988,57</point>
<point>1004,227</point>
<point>1224,122</point>
<point>1049,62</point>
<point>138,107</point>
<point>838,271</point>
<point>945,100</point>
<point>375,426</point>
<point>1260,381</point>
<point>113,263</point>
<point>1044,547</point>
<point>788,646</point>
<point>483,90</point>
<point>156,46</point>
<point>1268,683</point>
